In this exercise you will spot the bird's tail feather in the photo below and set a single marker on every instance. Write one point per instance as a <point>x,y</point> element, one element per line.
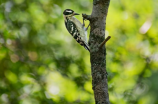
<point>86,47</point>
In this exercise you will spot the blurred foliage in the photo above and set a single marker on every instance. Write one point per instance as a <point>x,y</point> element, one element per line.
<point>37,66</point>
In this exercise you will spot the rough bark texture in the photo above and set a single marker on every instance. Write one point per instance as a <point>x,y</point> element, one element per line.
<point>98,55</point>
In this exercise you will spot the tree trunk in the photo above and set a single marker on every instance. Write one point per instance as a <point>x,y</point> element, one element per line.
<point>98,54</point>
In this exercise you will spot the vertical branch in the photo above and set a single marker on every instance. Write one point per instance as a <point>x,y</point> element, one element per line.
<point>98,57</point>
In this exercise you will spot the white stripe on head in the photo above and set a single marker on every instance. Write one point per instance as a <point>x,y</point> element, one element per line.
<point>68,11</point>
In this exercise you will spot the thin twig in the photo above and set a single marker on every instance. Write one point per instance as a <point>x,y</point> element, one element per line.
<point>101,45</point>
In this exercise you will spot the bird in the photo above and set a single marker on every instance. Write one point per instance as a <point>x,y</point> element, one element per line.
<point>76,28</point>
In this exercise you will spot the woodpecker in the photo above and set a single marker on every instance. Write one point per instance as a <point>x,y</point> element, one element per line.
<point>76,28</point>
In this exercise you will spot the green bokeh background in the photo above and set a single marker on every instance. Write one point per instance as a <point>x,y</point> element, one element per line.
<point>40,63</point>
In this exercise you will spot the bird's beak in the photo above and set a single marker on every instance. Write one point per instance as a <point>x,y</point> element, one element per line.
<point>76,14</point>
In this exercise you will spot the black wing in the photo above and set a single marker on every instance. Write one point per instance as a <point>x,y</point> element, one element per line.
<point>71,27</point>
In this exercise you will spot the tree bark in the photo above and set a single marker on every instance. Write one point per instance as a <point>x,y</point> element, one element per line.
<point>98,54</point>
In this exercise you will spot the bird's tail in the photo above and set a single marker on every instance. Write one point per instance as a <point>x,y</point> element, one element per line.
<point>86,47</point>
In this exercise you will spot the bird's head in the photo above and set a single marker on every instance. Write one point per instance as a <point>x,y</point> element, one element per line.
<point>69,13</point>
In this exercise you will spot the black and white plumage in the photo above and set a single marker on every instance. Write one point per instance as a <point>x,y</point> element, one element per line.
<point>76,28</point>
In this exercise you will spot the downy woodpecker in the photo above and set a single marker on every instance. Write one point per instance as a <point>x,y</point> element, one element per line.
<point>76,28</point>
